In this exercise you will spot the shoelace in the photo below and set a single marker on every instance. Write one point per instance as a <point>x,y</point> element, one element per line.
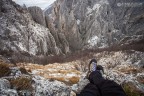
<point>93,66</point>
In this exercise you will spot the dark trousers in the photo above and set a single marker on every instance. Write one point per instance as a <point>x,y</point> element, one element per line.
<point>99,86</point>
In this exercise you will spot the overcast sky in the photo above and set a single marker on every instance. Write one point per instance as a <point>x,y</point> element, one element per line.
<point>41,3</point>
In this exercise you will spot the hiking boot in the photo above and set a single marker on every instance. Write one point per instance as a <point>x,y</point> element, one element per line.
<point>91,67</point>
<point>94,67</point>
<point>100,68</point>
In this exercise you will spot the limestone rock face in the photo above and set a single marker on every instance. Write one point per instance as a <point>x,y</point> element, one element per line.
<point>5,88</point>
<point>96,23</point>
<point>37,15</point>
<point>72,25</point>
<point>19,33</point>
<point>50,88</point>
<point>61,22</point>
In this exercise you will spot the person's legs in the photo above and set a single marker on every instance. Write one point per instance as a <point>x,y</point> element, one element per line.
<point>99,86</point>
<point>96,78</point>
<point>104,86</point>
<point>95,72</point>
<point>89,90</point>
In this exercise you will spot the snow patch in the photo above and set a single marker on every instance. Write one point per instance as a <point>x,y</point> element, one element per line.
<point>104,2</point>
<point>21,46</point>
<point>78,22</point>
<point>96,6</point>
<point>115,31</point>
<point>89,10</point>
<point>93,41</point>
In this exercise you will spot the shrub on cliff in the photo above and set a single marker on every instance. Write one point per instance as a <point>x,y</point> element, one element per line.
<point>131,90</point>
<point>21,83</point>
<point>4,70</point>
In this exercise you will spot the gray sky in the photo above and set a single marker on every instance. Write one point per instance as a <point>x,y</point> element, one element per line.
<point>41,3</point>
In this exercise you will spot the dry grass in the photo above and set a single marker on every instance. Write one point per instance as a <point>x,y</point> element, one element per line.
<point>74,80</point>
<point>62,79</point>
<point>23,70</point>
<point>68,71</point>
<point>4,69</point>
<point>71,81</point>
<point>131,90</point>
<point>29,66</point>
<point>21,83</point>
<point>129,70</point>
<point>53,68</point>
<point>52,78</point>
<point>61,72</point>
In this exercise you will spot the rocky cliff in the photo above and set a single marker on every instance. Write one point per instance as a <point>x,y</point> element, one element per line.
<point>37,15</point>
<point>19,33</point>
<point>71,25</point>
<point>96,23</point>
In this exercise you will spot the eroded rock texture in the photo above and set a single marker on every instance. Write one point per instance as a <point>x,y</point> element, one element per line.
<point>18,31</point>
<point>99,23</point>
<point>72,25</point>
<point>37,14</point>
